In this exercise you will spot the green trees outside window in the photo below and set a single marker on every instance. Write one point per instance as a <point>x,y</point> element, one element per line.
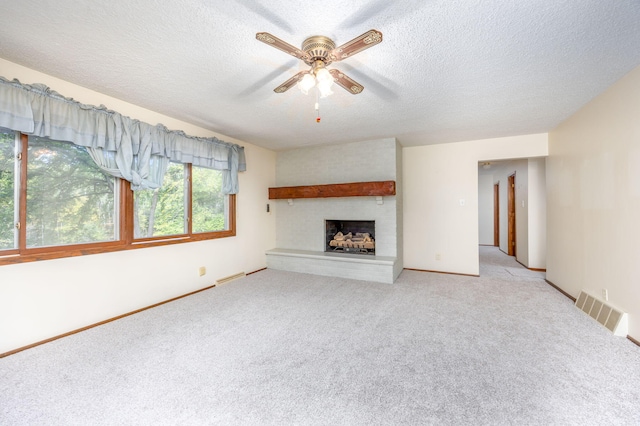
<point>162,211</point>
<point>159,212</point>
<point>69,199</point>
<point>8,238</point>
<point>210,206</point>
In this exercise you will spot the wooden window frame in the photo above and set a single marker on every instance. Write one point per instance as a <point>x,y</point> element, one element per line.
<point>125,241</point>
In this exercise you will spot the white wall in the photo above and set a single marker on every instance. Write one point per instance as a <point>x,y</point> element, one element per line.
<point>435,180</point>
<point>485,207</point>
<point>399,211</point>
<point>593,199</point>
<point>43,299</point>
<point>537,208</point>
<point>522,212</point>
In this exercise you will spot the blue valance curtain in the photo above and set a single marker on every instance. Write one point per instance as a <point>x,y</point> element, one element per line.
<point>120,146</point>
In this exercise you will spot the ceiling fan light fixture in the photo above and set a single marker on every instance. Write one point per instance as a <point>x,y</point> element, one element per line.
<point>307,82</point>
<point>318,52</point>
<point>325,88</point>
<point>325,81</point>
<point>323,74</point>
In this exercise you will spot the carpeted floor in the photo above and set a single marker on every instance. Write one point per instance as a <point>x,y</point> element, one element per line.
<point>280,348</point>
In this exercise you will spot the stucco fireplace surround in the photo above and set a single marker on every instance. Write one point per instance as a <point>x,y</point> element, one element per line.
<point>301,227</point>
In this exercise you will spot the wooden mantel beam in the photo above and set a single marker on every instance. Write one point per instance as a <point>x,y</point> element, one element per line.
<point>356,189</point>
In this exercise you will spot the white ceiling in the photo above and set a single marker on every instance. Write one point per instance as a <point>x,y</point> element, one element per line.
<point>447,70</point>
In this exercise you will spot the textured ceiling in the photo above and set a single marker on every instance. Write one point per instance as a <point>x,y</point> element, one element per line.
<point>447,70</point>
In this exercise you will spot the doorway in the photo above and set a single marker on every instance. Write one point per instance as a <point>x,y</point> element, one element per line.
<point>511,215</point>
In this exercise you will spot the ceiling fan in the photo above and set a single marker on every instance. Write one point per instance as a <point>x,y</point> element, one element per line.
<point>318,52</point>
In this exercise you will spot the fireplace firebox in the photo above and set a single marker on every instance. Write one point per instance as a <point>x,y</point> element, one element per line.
<point>350,236</point>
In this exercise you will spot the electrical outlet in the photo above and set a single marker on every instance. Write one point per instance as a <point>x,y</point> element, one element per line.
<point>202,270</point>
<point>438,256</point>
<point>605,294</point>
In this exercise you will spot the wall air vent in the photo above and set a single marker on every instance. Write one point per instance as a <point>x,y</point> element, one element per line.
<point>230,278</point>
<point>612,318</point>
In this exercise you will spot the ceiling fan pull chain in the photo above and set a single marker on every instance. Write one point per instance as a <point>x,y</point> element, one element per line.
<point>317,106</point>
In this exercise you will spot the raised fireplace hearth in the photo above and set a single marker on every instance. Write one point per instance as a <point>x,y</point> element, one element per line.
<point>350,236</point>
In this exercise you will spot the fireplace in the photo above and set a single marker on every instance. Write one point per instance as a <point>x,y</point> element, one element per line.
<point>350,236</point>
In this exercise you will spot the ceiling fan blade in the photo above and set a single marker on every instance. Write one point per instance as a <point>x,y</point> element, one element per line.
<point>274,41</point>
<point>358,44</point>
<point>346,82</point>
<point>290,83</point>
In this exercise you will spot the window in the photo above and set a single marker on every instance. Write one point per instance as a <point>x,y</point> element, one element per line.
<point>69,206</point>
<point>69,199</point>
<point>210,207</point>
<point>8,189</point>
<point>162,211</point>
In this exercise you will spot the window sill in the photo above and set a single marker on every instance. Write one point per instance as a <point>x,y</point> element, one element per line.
<point>49,253</point>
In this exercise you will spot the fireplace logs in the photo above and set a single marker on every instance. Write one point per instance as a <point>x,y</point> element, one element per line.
<point>361,242</point>
<point>350,236</point>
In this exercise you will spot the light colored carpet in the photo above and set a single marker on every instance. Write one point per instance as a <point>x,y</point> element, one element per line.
<point>279,348</point>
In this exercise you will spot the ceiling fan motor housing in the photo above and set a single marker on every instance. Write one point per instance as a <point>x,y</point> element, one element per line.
<point>319,51</point>
<point>318,48</point>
